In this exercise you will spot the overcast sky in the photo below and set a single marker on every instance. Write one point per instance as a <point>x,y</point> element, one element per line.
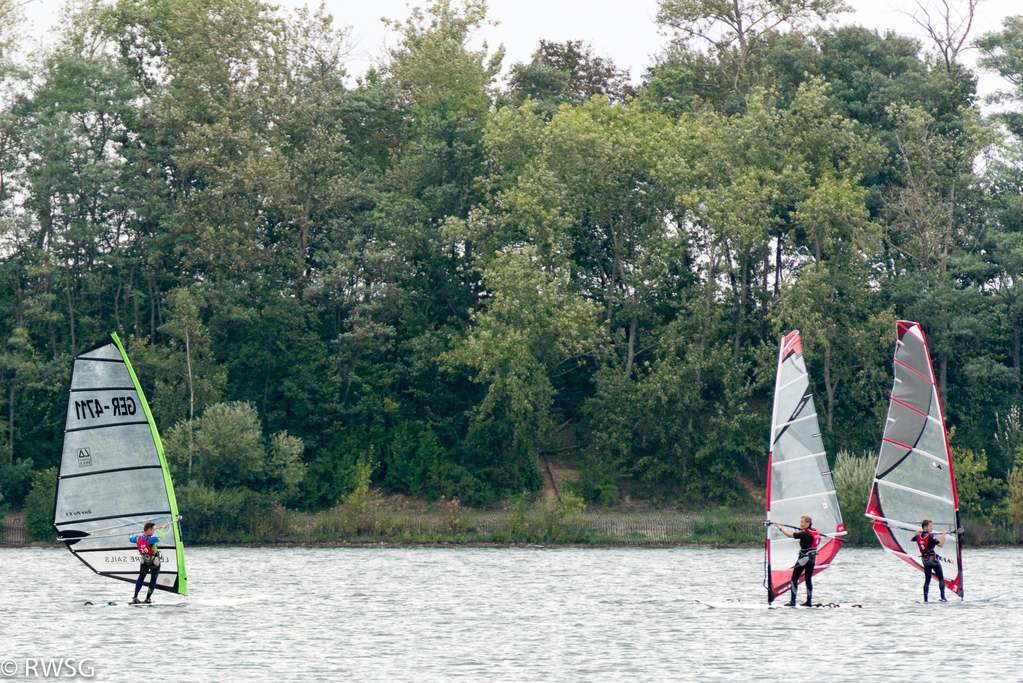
<point>623,30</point>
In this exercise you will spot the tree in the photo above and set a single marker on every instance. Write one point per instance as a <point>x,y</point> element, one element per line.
<point>948,25</point>
<point>569,72</point>
<point>226,446</point>
<point>927,219</point>
<point>738,30</point>
<point>192,370</point>
<point>533,327</point>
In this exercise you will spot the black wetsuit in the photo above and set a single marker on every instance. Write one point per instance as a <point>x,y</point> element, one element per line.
<point>931,563</point>
<point>807,552</point>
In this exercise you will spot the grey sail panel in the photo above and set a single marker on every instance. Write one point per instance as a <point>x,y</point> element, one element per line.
<point>799,478</point>
<point>113,477</point>
<point>914,478</point>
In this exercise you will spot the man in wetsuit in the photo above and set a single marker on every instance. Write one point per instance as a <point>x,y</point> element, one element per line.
<point>150,560</point>
<point>809,538</point>
<point>926,541</point>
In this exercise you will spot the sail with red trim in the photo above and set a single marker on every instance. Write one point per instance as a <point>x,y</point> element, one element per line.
<point>798,476</point>
<point>914,479</point>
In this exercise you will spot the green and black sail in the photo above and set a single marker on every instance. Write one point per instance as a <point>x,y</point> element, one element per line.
<point>113,473</point>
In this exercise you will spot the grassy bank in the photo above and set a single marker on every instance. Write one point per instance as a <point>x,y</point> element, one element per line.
<point>403,522</point>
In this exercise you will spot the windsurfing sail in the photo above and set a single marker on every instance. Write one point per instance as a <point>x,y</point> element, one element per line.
<point>113,474</point>
<point>798,477</point>
<point>914,480</point>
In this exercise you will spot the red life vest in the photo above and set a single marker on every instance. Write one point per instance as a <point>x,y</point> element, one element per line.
<point>143,545</point>
<point>816,537</point>
<point>926,551</point>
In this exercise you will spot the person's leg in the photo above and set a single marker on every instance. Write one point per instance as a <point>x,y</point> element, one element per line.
<point>143,570</point>
<point>808,573</point>
<point>941,580</point>
<point>154,571</point>
<point>927,579</point>
<point>796,572</point>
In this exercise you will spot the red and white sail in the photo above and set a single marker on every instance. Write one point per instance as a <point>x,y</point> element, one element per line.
<point>914,478</point>
<point>798,476</point>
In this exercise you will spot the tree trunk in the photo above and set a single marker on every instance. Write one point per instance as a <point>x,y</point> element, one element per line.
<point>829,387</point>
<point>740,315</point>
<point>10,417</point>
<point>117,305</point>
<point>711,274</point>
<point>777,267</point>
<point>611,293</point>
<point>70,310</point>
<point>134,298</point>
<point>303,233</point>
<point>632,344</point>
<point>943,363</point>
<point>1015,353</point>
<point>150,276</point>
<point>188,362</point>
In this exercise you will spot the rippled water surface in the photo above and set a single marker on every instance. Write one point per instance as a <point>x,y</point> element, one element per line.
<point>520,614</point>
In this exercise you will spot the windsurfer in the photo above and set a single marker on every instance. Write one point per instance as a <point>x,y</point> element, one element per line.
<point>809,538</point>
<point>149,559</point>
<point>926,541</point>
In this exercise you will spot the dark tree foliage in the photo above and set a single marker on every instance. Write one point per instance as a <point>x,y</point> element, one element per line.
<point>409,281</point>
<point>569,72</point>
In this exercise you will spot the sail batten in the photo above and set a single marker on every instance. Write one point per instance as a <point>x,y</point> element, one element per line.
<point>113,473</point>
<point>914,478</point>
<point>798,477</point>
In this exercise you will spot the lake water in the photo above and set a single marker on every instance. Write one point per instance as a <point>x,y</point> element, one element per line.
<point>514,614</point>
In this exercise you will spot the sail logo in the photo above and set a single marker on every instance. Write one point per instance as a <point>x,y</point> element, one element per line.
<point>128,559</point>
<point>84,457</point>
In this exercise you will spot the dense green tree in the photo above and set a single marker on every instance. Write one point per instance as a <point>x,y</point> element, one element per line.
<point>424,280</point>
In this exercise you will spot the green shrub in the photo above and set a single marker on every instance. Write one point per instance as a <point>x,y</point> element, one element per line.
<point>39,506</point>
<point>853,477</point>
<point>722,527</point>
<point>15,479</point>
<point>600,479</point>
<point>228,515</point>
<point>978,493</point>
<point>536,523</point>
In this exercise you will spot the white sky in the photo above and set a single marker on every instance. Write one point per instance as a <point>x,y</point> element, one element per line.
<point>623,30</point>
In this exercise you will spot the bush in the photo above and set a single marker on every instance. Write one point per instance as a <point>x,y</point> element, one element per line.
<point>722,526</point>
<point>39,506</point>
<point>536,523</point>
<point>599,479</point>
<point>1014,502</point>
<point>853,477</point>
<point>978,493</point>
<point>15,480</point>
<point>228,515</point>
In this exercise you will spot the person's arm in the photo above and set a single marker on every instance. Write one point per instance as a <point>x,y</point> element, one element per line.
<point>783,530</point>
<point>134,538</point>
<point>941,543</point>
